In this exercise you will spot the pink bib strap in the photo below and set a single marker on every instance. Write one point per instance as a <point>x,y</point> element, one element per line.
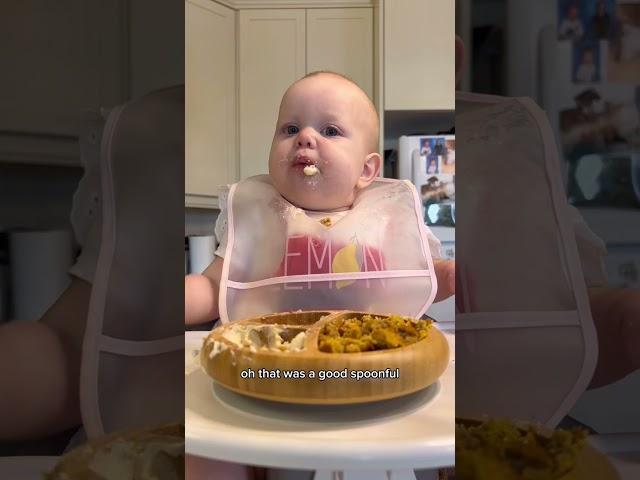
<point>132,348</point>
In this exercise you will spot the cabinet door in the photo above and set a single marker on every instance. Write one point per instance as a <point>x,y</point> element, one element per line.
<point>156,49</point>
<point>271,57</point>
<point>419,58</point>
<point>341,40</point>
<point>210,105</point>
<point>61,62</point>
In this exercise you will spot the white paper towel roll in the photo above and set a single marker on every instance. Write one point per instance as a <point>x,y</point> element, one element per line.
<point>39,261</point>
<point>201,254</point>
<point>418,169</point>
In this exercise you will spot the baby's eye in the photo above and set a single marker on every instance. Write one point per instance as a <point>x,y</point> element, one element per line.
<point>331,131</point>
<point>291,129</point>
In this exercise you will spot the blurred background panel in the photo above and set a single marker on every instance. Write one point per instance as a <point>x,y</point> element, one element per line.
<point>580,61</point>
<point>66,65</point>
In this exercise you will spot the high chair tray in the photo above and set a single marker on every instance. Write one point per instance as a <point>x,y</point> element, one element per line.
<point>298,357</point>
<point>26,467</point>
<point>411,431</point>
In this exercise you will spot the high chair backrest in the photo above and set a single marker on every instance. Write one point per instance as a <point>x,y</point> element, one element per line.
<point>524,327</point>
<point>131,372</point>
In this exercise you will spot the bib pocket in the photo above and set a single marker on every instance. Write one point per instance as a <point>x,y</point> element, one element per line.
<point>386,292</point>
<point>523,365</point>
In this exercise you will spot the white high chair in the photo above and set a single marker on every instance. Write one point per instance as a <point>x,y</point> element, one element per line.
<point>361,442</point>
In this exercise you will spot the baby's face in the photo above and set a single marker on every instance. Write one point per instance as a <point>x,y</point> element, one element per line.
<point>323,122</point>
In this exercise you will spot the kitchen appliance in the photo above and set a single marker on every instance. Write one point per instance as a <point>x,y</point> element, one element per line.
<point>596,129</point>
<point>428,161</point>
<point>540,66</point>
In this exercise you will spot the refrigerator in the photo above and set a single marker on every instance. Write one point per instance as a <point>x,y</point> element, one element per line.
<point>428,161</point>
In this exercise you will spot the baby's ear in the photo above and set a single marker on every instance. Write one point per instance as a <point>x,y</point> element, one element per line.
<point>370,170</point>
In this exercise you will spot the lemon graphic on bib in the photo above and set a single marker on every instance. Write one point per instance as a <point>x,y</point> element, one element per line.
<point>345,261</point>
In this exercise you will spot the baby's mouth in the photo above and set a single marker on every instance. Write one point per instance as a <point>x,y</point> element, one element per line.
<point>301,159</point>
<point>310,170</point>
<point>308,166</point>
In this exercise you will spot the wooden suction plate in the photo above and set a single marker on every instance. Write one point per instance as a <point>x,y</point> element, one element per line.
<point>416,366</point>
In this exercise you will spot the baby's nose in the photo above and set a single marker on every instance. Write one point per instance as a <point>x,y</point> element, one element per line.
<point>306,138</point>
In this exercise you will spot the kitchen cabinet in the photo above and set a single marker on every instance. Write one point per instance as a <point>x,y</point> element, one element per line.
<point>400,52</point>
<point>278,46</point>
<point>60,65</point>
<point>210,101</point>
<point>65,63</point>
<point>271,57</point>
<point>419,58</point>
<point>341,40</point>
<point>156,48</point>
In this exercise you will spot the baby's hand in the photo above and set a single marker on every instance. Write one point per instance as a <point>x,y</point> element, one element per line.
<point>616,315</point>
<point>629,305</point>
<point>446,275</point>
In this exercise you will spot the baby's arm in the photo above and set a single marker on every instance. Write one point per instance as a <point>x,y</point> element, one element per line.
<point>40,368</point>
<point>445,270</point>
<point>201,293</point>
<point>446,274</point>
<point>616,315</point>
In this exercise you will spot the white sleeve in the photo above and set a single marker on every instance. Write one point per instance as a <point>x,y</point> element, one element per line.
<point>434,244</point>
<point>86,210</point>
<point>591,250</point>
<point>221,222</point>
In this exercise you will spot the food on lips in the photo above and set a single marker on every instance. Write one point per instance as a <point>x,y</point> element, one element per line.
<point>310,170</point>
<point>368,333</point>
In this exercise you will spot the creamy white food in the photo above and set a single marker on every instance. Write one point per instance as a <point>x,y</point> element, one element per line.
<point>258,337</point>
<point>125,460</point>
<point>310,170</point>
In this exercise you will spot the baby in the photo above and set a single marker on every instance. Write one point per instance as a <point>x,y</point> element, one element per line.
<point>324,154</point>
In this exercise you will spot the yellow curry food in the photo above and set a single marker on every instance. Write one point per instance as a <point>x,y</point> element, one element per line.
<point>368,333</point>
<point>499,449</point>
